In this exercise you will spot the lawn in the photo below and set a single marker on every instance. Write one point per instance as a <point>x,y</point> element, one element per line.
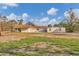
<point>40,46</point>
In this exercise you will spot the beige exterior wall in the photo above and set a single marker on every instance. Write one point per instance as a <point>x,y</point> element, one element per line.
<point>56,29</point>
<point>49,29</point>
<point>30,30</point>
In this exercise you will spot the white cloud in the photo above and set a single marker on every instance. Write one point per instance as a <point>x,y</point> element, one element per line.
<point>44,19</point>
<point>9,4</point>
<point>59,18</point>
<point>52,11</point>
<point>76,11</point>
<point>25,15</point>
<point>6,5</point>
<point>66,14</point>
<point>52,21</point>
<point>12,16</point>
<point>41,22</point>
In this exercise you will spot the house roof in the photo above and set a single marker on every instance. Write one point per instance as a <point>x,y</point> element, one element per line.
<point>25,26</point>
<point>37,27</point>
<point>20,26</point>
<point>41,27</point>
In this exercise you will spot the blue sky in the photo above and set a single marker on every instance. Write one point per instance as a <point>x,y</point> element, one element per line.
<point>39,13</point>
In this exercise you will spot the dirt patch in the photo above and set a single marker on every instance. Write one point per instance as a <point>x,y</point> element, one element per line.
<point>48,51</point>
<point>7,36</point>
<point>40,45</point>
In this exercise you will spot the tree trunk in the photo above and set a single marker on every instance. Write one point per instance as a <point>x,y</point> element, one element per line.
<point>0,33</point>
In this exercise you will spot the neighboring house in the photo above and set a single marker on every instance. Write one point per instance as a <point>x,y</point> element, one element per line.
<point>41,28</point>
<point>56,29</point>
<point>33,28</point>
<point>30,28</point>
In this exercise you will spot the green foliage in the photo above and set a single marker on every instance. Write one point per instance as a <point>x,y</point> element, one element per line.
<point>20,21</point>
<point>70,22</point>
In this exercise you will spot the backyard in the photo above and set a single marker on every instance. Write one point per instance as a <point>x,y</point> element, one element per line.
<point>39,44</point>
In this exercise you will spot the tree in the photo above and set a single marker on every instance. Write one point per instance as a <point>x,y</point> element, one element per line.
<point>3,21</point>
<point>20,21</point>
<point>49,25</point>
<point>0,25</point>
<point>11,24</point>
<point>30,23</point>
<point>71,20</point>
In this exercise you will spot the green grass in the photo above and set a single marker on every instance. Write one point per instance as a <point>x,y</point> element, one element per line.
<point>72,44</point>
<point>26,41</point>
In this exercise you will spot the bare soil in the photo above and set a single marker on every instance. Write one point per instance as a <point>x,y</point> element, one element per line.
<point>8,36</point>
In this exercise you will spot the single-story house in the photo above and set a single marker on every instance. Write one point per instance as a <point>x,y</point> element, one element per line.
<point>29,28</point>
<point>33,28</point>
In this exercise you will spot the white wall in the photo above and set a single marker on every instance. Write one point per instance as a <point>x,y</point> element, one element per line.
<point>56,29</point>
<point>30,30</point>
